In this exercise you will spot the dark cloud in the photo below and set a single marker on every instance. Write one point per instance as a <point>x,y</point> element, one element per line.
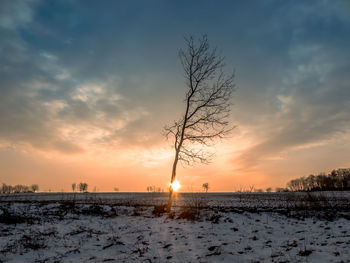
<point>313,108</point>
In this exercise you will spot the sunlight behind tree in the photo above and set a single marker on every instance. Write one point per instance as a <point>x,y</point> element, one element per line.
<point>175,185</point>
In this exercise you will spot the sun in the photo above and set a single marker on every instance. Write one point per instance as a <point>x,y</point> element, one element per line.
<point>175,185</point>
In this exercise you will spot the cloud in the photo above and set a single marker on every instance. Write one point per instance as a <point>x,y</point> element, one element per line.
<point>52,112</point>
<point>44,106</point>
<point>15,13</point>
<point>313,110</point>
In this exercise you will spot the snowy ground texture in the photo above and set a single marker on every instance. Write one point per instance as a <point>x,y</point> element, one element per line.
<point>69,231</point>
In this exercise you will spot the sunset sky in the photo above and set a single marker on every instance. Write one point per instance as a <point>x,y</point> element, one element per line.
<point>87,86</point>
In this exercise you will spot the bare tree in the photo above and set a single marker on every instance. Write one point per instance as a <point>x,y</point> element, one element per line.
<point>74,185</point>
<point>206,187</point>
<point>19,188</point>
<point>83,187</point>
<point>251,189</point>
<point>207,106</point>
<point>34,187</point>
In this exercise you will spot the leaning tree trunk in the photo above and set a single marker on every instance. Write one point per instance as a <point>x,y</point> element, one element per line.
<point>177,152</point>
<point>171,190</point>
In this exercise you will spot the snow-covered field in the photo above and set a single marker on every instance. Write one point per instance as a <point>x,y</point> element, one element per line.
<point>268,200</point>
<point>94,230</point>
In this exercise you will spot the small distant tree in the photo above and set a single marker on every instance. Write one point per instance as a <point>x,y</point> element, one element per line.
<point>116,189</point>
<point>154,189</point>
<point>34,187</point>
<point>268,189</point>
<point>74,186</point>
<point>83,187</point>
<point>19,188</point>
<point>206,187</point>
<point>6,189</point>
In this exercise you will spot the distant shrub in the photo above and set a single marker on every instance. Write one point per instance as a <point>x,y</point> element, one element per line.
<point>154,189</point>
<point>34,187</point>
<point>205,187</point>
<point>19,188</point>
<point>83,187</point>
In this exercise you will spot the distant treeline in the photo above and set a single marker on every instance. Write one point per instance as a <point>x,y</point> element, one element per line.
<point>337,180</point>
<point>19,188</point>
<point>153,189</point>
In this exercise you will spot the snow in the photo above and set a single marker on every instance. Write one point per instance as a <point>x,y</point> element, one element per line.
<point>99,232</point>
<point>272,200</point>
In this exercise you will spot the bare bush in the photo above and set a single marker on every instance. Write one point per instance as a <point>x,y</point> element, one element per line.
<point>193,206</point>
<point>83,187</point>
